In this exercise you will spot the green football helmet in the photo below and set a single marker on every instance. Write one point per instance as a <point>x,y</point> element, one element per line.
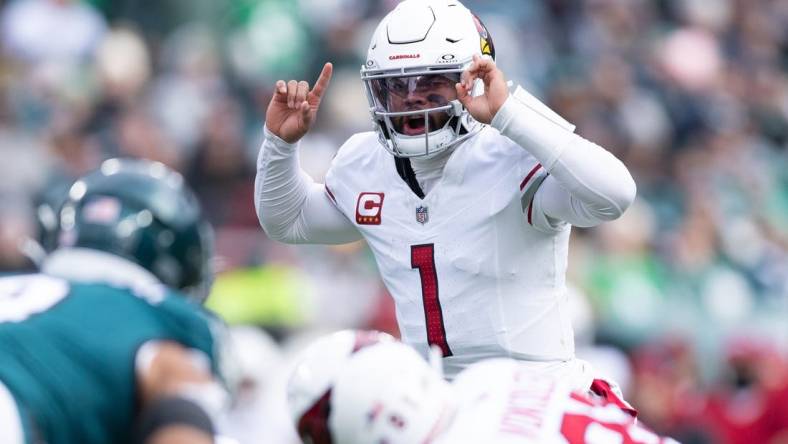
<point>144,212</point>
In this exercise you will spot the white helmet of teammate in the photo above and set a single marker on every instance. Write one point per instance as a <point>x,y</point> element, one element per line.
<point>309,388</point>
<point>416,56</point>
<point>388,394</point>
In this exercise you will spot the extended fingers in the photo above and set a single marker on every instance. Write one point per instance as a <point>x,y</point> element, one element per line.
<point>478,69</point>
<point>482,64</point>
<point>295,93</point>
<point>470,75</point>
<point>322,81</point>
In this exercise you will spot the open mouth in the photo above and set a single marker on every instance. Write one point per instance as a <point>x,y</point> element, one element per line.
<point>418,123</point>
<point>414,125</point>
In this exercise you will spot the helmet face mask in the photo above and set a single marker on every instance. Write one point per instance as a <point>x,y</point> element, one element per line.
<point>416,57</point>
<point>416,104</point>
<point>417,114</point>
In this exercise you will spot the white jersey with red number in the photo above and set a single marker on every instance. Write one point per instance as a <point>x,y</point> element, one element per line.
<point>506,402</point>
<point>474,267</point>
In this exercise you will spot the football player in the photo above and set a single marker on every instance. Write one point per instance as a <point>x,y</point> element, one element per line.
<point>313,376</point>
<point>465,193</point>
<point>109,343</point>
<point>387,393</point>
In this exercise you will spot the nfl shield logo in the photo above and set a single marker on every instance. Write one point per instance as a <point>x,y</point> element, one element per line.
<point>422,215</point>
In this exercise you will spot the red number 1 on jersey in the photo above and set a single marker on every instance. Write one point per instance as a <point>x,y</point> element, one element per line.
<point>422,258</point>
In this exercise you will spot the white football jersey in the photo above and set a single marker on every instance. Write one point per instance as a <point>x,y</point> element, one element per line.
<point>506,402</point>
<point>475,267</point>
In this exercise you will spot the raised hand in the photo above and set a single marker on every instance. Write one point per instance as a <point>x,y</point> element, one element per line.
<point>294,106</point>
<point>484,107</point>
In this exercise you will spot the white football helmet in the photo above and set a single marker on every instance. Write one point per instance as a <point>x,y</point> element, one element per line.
<point>388,394</point>
<point>416,56</point>
<point>309,388</point>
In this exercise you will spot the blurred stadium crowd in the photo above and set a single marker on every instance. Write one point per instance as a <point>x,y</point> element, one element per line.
<point>684,300</point>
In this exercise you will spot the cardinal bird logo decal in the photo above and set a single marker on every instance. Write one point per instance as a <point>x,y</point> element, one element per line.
<point>485,40</point>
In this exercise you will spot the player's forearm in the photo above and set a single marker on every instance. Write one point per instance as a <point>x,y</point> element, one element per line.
<point>596,179</point>
<point>181,400</point>
<point>174,420</point>
<point>280,187</point>
<point>291,207</point>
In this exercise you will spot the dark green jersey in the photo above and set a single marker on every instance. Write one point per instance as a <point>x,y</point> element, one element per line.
<point>67,351</point>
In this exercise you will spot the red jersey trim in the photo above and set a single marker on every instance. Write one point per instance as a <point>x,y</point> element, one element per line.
<point>602,388</point>
<point>530,208</point>
<point>529,176</point>
<point>330,194</point>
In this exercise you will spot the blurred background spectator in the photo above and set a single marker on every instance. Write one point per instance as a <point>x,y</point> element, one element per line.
<point>685,298</point>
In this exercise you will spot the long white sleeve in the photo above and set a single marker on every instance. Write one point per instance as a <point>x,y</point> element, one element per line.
<point>587,185</point>
<point>291,207</point>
